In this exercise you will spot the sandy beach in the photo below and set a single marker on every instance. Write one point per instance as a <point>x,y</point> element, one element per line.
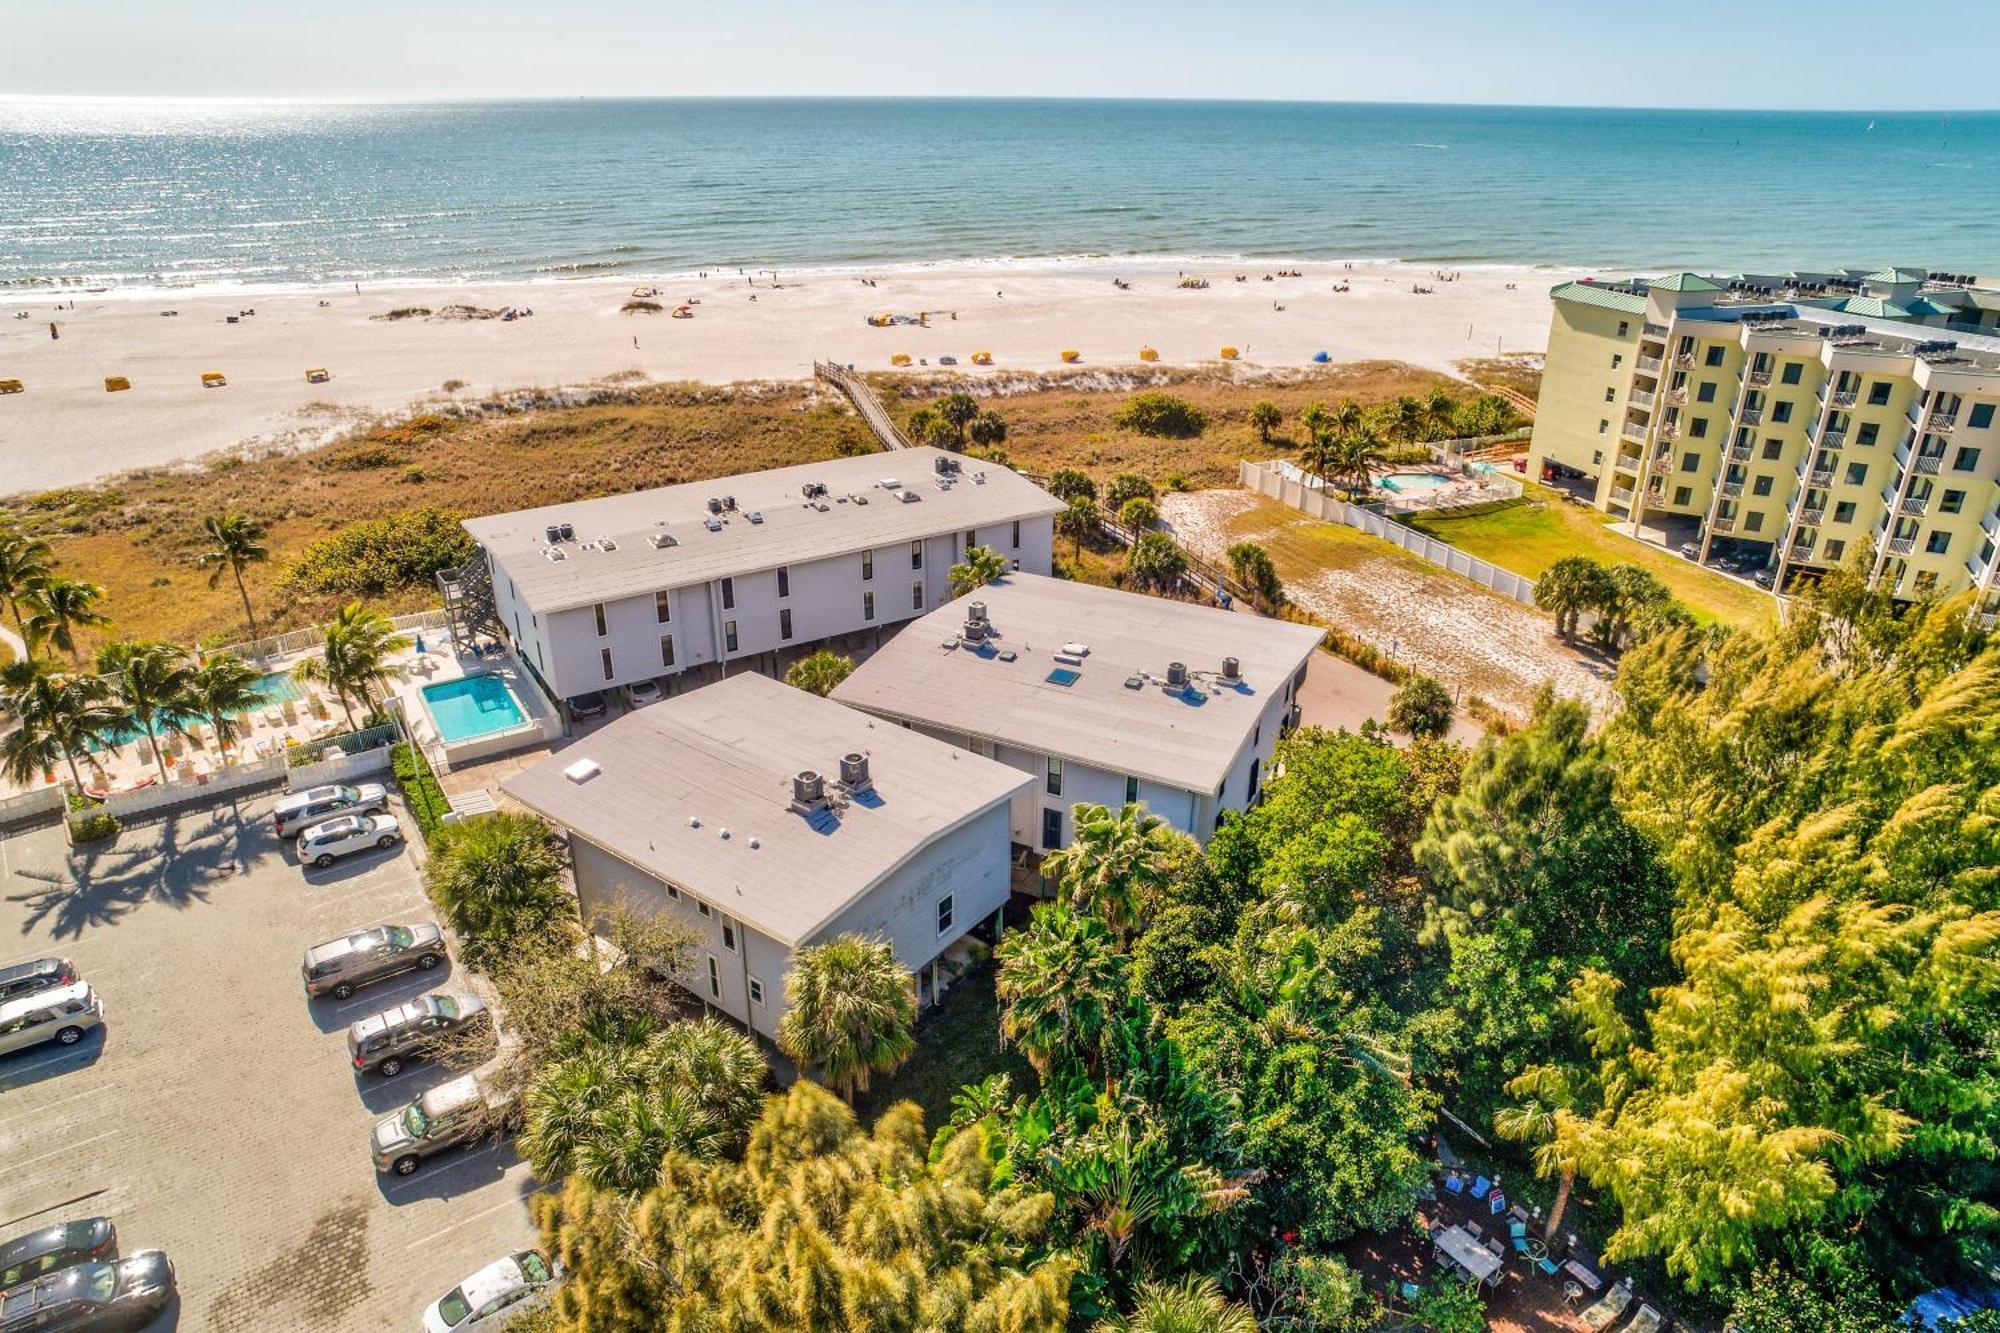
<point>66,428</point>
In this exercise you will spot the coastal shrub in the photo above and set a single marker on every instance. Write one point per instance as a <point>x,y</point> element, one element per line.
<point>97,826</point>
<point>362,459</point>
<point>1139,512</point>
<point>641,307</point>
<point>988,429</point>
<point>1178,481</point>
<point>819,673</point>
<point>1067,483</point>
<point>498,879</point>
<point>1124,487</point>
<point>419,429</point>
<point>1421,707</point>
<point>422,796</point>
<point>382,556</point>
<point>1162,415</point>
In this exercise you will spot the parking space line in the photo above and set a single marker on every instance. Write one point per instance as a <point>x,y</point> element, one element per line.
<point>48,1108</point>
<point>466,1221</point>
<point>13,1167</point>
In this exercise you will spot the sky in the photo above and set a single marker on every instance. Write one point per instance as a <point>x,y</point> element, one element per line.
<point>1792,54</point>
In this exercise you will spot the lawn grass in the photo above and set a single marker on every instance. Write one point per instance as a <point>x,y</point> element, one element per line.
<point>958,1042</point>
<point>1529,537</point>
<point>1301,546</point>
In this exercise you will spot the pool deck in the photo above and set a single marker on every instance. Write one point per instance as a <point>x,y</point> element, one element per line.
<point>439,664</point>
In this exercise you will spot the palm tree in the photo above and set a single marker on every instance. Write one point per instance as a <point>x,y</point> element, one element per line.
<point>354,656</point>
<point>820,672</point>
<point>1440,409</point>
<point>1354,458</point>
<point>958,411</point>
<point>150,681</point>
<point>58,714</point>
<point>1078,521</point>
<point>1547,1093</point>
<point>25,565</point>
<point>981,566</point>
<point>852,1005</point>
<point>633,1133</point>
<point>223,688</point>
<point>1266,418</point>
<point>61,606</point>
<point>1060,984</point>
<point>1406,417</point>
<point>1115,863</point>
<point>1568,588</point>
<point>1193,1304</point>
<point>1319,456</point>
<point>1315,420</point>
<point>1347,419</point>
<point>236,541</point>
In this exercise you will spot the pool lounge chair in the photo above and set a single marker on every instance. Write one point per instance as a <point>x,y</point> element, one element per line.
<point>1609,1306</point>
<point>1648,1320</point>
<point>1454,1183</point>
<point>1481,1188</point>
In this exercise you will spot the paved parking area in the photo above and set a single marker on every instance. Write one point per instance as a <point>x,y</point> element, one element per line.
<point>216,1116</point>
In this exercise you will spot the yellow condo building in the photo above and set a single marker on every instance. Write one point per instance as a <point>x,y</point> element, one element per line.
<point>1788,422</point>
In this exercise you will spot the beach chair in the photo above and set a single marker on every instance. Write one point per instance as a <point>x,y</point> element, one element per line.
<point>1547,1265</point>
<point>978,359</point>
<point>1609,1306</point>
<point>213,379</point>
<point>12,386</point>
<point>1648,1320</point>
<point>1229,354</point>
<point>1481,1188</point>
<point>1070,355</point>
<point>317,375</point>
<point>1454,1183</point>
<point>900,359</point>
<point>1149,354</point>
<point>1498,1202</point>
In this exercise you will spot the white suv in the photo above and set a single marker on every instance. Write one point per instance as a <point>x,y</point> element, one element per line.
<point>322,844</point>
<point>63,1015</point>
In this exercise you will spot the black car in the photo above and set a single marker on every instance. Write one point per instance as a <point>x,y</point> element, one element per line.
<point>20,979</point>
<point>587,706</point>
<point>90,1297</point>
<point>38,1252</point>
<point>386,1042</point>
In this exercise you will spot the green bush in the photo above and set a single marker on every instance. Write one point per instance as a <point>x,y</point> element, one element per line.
<point>1162,415</point>
<point>1124,488</point>
<point>383,556</point>
<point>1139,512</point>
<point>96,826</point>
<point>499,880</point>
<point>421,793</point>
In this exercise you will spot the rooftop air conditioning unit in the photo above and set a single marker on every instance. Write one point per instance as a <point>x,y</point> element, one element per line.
<point>713,525</point>
<point>854,772</point>
<point>568,533</point>
<point>908,497</point>
<point>976,611</point>
<point>755,516</point>
<point>1177,675</point>
<point>808,791</point>
<point>1232,670</point>
<point>974,630</point>
<point>729,502</point>
<point>890,483</point>
<point>662,540</point>
<point>553,532</point>
<point>714,504</point>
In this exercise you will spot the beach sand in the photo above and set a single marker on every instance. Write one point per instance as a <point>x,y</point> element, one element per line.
<point>66,429</point>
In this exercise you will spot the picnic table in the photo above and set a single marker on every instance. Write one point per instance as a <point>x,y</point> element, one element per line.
<point>1458,1245</point>
<point>1590,1280</point>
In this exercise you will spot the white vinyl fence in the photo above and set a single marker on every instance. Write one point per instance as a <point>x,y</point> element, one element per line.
<point>1316,501</point>
<point>43,803</point>
<point>301,640</point>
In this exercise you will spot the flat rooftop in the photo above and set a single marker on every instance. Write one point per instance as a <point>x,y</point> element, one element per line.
<point>1116,713</point>
<point>697,790</point>
<point>629,545</point>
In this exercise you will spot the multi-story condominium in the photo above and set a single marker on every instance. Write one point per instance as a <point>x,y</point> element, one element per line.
<point>1796,422</point>
<point>766,819</point>
<point>1101,696</point>
<point>653,584</point>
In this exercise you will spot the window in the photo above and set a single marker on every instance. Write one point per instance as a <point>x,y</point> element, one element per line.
<point>666,650</point>
<point>917,596</point>
<point>1714,357</point>
<point>1055,776</point>
<point>944,913</point>
<point>662,610</point>
<point>1938,542</point>
<point>1051,830</point>
<point>1755,522</point>
<point>784,580</point>
<point>1597,455</point>
<point>1981,417</point>
<point>1868,433</point>
<point>784,622</point>
<point>1878,393</point>
<point>701,907</point>
<point>1704,392</point>
<point>867,565</point>
<point>1856,473</point>
<point>1017,533</point>
<point>729,636</point>
<point>1953,502</point>
<point>1610,395</point>
<point>1624,327</point>
<point>714,979</point>
<point>1603,425</point>
<point>1131,789</point>
<point>1834,550</point>
<point>756,991</point>
<point>1683,494</point>
<point>1773,447</point>
<point>1761,486</point>
<point>729,594</point>
<point>1791,372</point>
<point>867,606</point>
<point>1844,512</point>
<point>605,653</point>
<point>971,540</point>
<point>1698,428</point>
<point>1965,460</point>
<point>729,934</point>
<point>1781,412</point>
<point>598,611</point>
<point>917,554</point>
<point>673,893</point>
<point>1689,462</point>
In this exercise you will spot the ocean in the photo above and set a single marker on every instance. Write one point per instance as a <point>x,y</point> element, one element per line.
<point>150,194</point>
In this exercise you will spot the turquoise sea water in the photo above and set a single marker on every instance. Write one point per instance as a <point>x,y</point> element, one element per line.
<point>177,193</point>
<point>472,706</point>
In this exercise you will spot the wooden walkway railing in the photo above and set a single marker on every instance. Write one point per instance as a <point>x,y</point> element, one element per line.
<point>864,400</point>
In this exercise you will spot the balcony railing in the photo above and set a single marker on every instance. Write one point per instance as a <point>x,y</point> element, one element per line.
<point>1685,360</point>
<point>1832,439</point>
<point>1740,453</point>
<point>1635,432</point>
<point>1642,398</point>
<point>1652,330</point>
<point>1732,489</point>
<point>1802,550</point>
<point>1812,518</point>
<point>1651,363</point>
<point>1914,505</point>
<point>1943,422</point>
<point>1902,454</point>
<point>1900,545</point>
<point>1630,459</point>
<point>1722,523</point>
<point>1760,377</point>
<point>1824,477</point>
<point>1977,568</point>
<point>1845,397</point>
<point>1990,525</point>
<point>1622,494</point>
<point>1670,430</point>
<point>1678,395</point>
<point>1927,465</point>
<point>1752,416</point>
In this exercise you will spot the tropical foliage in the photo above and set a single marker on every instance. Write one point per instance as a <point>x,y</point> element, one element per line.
<point>498,878</point>
<point>982,565</point>
<point>852,1005</point>
<point>819,672</point>
<point>354,656</point>
<point>1421,707</point>
<point>379,557</point>
<point>235,542</point>
<point>1161,414</point>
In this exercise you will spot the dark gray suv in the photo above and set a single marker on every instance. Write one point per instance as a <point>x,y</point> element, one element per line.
<point>339,967</point>
<point>385,1043</point>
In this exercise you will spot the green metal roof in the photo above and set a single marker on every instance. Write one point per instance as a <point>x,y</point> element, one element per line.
<point>1872,306</point>
<point>1686,282</point>
<point>1896,275</point>
<point>1923,305</point>
<point>1585,293</point>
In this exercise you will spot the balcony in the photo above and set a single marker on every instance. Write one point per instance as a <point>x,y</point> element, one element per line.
<point>1845,397</point>
<point>1943,422</point>
<point>1824,477</point>
<point>1976,567</point>
<point>1903,453</point>
<point>1832,439</point>
<point>1641,398</point>
<point>1634,432</point>
<point>1678,395</point>
<point>1740,453</point>
<point>1900,545</point>
<point>1670,431</point>
<point>1802,550</point>
<point>1685,360</point>
<point>1812,518</point>
<point>1914,505</point>
<point>1990,525</point>
<point>1722,523</point>
<point>1927,465</point>
<point>1752,416</point>
<point>1732,489</point>
<point>1650,364</point>
<point>1621,495</point>
<point>1760,377</point>
<point>1652,330</point>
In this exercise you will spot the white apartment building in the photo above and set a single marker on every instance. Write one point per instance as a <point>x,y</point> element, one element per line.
<point>1101,696</point>
<point>627,588</point>
<point>767,819</point>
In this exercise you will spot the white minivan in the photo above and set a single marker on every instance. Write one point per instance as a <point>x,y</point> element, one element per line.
<point>62,1014</point>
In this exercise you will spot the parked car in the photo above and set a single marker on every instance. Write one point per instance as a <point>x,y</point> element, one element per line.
<point>449,1116</point>
<point>1689,550</point>
<point>1728,564</point>
<point>28,1257</point>
<point>18,979</point>
<point>587,705</point>
<point>311,806</point>
<point>62,1014</point>
<point>643,693</point>
<point>496,1293</point>
<point>385,1043</point>
<point>91,1296</point>
<point>323,844</point>
<point>339,967</point>
<point>1763,578</point>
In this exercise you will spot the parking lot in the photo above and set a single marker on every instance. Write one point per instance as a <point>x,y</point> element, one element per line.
<point>215,1115</point>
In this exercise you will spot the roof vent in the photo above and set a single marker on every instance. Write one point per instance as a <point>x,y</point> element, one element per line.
<point>554,553</point>
<point>1232,670</point>
<point>808,791</point>
<point>890,483</point>
<point>583,770</point>
<point>662,540</point>
<point>713,524</point>
<point>694,821</point>
<point>607,544</point>
<point>976,611</point>
<point>854,772</point>
<point>1077,649</point>
<point>1177,675</point>
<point>813,490</point>
<point>979,479</point>
<point>908,497</point>
<point>729,503</point>
<point>553,532</point>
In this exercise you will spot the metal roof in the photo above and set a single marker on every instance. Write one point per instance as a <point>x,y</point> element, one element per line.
<point>697,790</point>
<point>1586,293</point>
<point>1896,275</point>
<point>772,524</point>
<point>1186,740</point>
<point>1685,282</point>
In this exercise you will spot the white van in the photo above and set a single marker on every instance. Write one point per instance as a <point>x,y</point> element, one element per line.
<point>63,1014</point>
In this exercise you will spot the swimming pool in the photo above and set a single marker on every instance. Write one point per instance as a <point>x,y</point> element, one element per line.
<point>472,706</point>
<point>274,690</point>
<point>1413,481</point>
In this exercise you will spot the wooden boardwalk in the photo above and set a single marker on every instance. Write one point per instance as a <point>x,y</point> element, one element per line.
<point>865,402</point>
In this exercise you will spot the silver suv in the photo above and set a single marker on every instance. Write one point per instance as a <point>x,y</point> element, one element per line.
<point>339,966</point>
<point>449,1116</point>
<point>301,808</point>
<point>62,1014</point>
<point>385,1043</point>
